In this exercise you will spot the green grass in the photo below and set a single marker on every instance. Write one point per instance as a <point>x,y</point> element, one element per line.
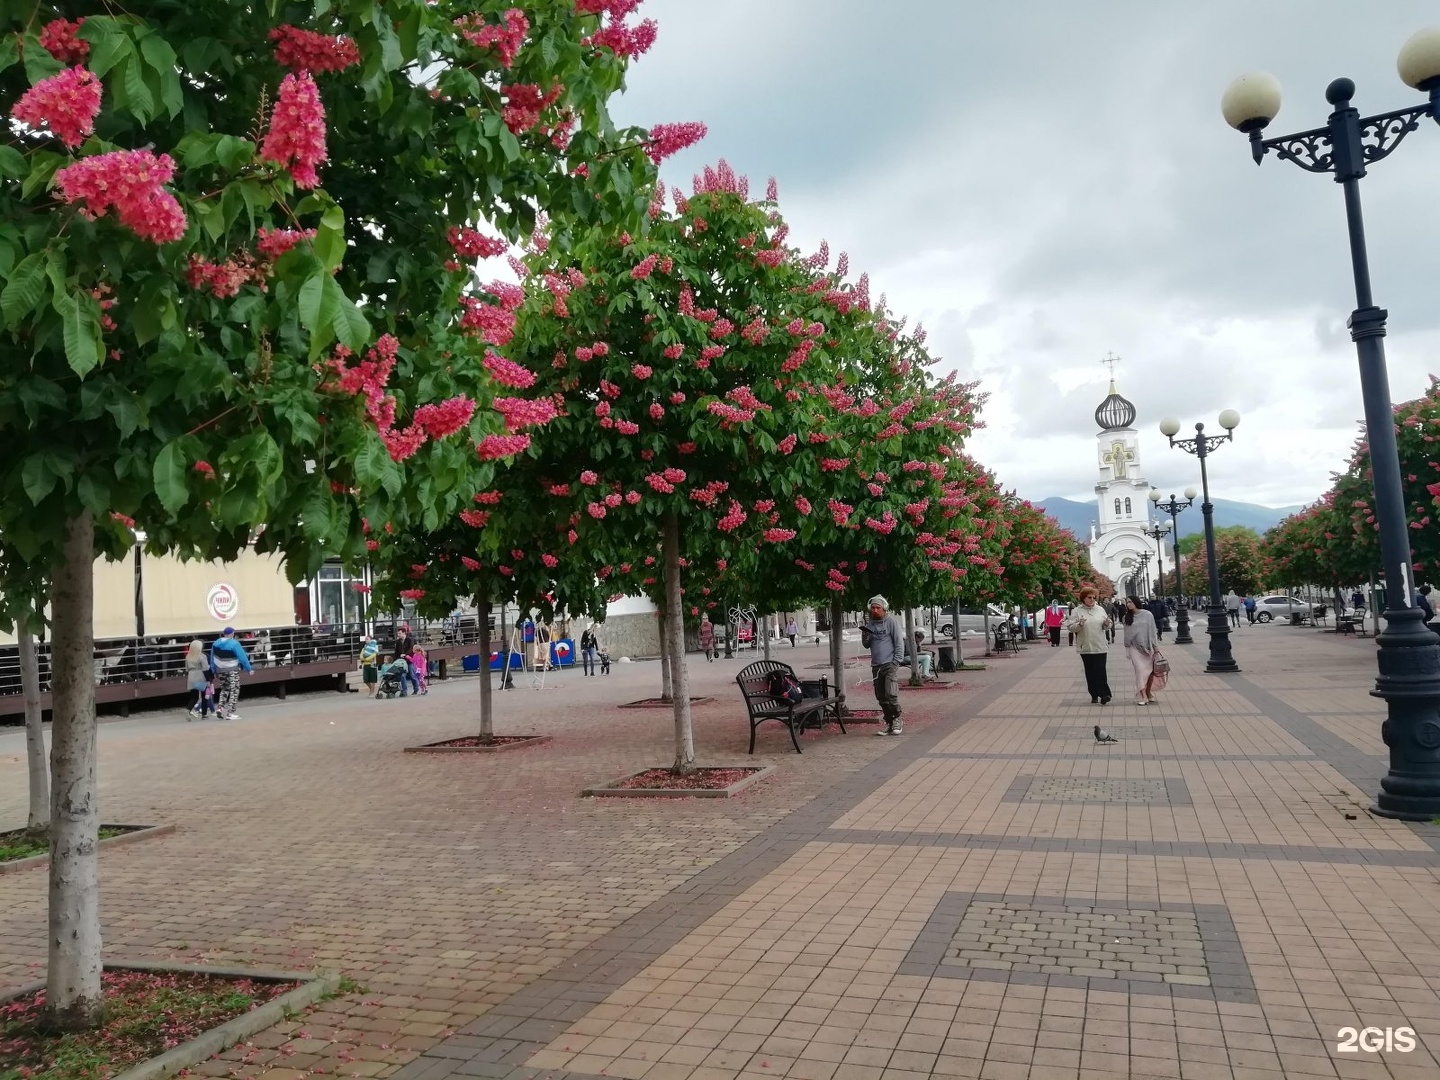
<point>147,1013</point>
<point>17,845</point>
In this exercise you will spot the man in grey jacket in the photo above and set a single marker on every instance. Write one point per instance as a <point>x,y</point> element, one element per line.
<point>883,635</point>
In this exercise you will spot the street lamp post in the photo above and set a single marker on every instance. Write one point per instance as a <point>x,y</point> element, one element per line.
<point>1142,575</point>
<point>1408,656</point>
<point>1173,507</point>
<point>1157,533</point>
<point>1217,623</point>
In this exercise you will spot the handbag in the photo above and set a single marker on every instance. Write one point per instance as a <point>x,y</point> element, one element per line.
<point>1161,665</point>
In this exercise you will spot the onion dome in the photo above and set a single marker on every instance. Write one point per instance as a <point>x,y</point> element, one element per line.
<point>1115,412</point>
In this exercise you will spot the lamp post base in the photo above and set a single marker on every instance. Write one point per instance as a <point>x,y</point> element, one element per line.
<point>1218,627</point>
<point>1409,684</point>
<point>1182,625</point>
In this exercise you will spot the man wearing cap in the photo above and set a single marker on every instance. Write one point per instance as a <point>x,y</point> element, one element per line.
<point>885,638</point>
<point>227,660</point>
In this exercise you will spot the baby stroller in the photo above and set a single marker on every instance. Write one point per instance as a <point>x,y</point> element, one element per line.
<point>604,662</point>
<point>392,679</point>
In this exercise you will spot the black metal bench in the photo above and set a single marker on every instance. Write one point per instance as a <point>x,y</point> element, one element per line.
<point>754,683</point>
<point>1006,638</point>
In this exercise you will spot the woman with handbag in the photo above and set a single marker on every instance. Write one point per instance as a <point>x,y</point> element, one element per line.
<point>1088,623</point>
<point>1140,642</point>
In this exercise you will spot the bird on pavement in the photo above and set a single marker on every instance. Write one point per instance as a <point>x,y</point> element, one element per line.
<point>1101,735</point>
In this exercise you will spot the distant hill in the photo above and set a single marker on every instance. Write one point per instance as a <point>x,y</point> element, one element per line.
<point>1077,516</point>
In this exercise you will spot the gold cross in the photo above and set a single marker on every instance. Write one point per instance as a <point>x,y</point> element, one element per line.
<point>1117,457</point>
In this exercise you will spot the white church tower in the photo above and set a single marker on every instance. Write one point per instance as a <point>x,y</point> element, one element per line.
<point>1118,539</point>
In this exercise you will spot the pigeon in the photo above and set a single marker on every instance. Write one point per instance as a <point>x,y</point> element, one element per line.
<point>1101,735</point>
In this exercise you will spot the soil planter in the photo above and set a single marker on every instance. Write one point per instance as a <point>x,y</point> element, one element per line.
<point>934,686</point>
<point>121,834</point>
<point>308,988</point>
<point>731,780</point>
<point>660,703</point>
<point>471,744</point>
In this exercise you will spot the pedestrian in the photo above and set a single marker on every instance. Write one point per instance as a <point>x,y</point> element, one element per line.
<point>1140,642</point>
<point>404,647</point>
<point>1054,620</point>
<point>707,638</point>
<point>1249,603</point>
<point>1357,601</point>
<point>924,660</point>
<point>1232,607</point>
<point>589,646</point>
<point>1092,625</point>
<point>370,663</point>
<point>1161,617</point>
<point>883,635</point>
<point>227,660</point>
<point>1422,601</point>
<point>791,630</point>
<point>195,668</point>
<point>420,670</point>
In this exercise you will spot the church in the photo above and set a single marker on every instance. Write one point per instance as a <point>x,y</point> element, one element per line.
<point>1117,538</point>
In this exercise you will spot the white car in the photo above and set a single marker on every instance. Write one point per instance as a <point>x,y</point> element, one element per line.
<point>972,621</point>
<point>1287,607</point>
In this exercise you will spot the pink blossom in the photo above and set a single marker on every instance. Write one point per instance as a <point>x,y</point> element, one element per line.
<point>668,139</point>
<point>549,560</point>
<point>446,417</point>
<point>525,412</point>
<point>787,444</point>
<point>272,243</point>
<point>501,446</point>
<point>495,325</point>
<point>476,519</point>
<point>596,510</point>
<point>733,519</point>
<point>469,563</point>
<point>305,50</point>
<point>60,39</point>
<point>776,536</point>
<point>473,244</point>
<point>674,352</point>
<point>802,504</point>
<point>403,444</point>
<point>506,37</point>
<point>657,411</point>
<point>614,499</point>
<point>641,371</point>
<point>584,353</point>
<point>204,468</point>
<point>524,102</point>
<point>833,464</point>
<point>632,497</point>
<point>132,182</point>
<point>622,39</point>
<point>627,427</point>
<point>645,267</point>
<point>602,409</point>
<point>508,373</point>
<point>296,138</point>
<point>66,103</point>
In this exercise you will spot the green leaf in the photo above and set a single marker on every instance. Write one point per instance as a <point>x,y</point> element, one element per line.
<point>351,326</point>
<point>158,53</point>
<point>125,410</point>
<point>43,164</point>
<point>9,51</point>
<point>25,289</point>
<point>318,287</point>
<point>316,516</point>
<point>108,44</point>
<point>138,100</point>
<point>37,478</point>
<point>12,163</point>
<point>170,477</point>
<point>83,345</point>
<point>39,64</point>
<point>198,148</point>
<point>330,238</point>
<point>94,492</point>
<point>233,152</point>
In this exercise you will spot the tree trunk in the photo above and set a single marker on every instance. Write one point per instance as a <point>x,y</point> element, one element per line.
<point>73,995</point>
<point>910,646</point>
<point>765,628</point>
<point>487,701</point>
<point>39,823</point>
<point>989,641</point>
<point>675,632</point>
<point>667,673</point>
<point>837,654</point>
<point>955,632</point>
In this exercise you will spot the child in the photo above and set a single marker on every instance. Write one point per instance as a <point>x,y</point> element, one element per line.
<point>207,697</point>
<point>370,664</point>
<point>420,670</point>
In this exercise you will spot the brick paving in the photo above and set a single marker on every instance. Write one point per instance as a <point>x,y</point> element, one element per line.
<point>824,925</point>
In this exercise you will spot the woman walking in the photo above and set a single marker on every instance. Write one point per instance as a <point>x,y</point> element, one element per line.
<point>589,645</point>
<point>1054,619</point>
<point>195,668</point>
<point>1089,623</point>
<point>1140,641</point>
<point>707,638</point>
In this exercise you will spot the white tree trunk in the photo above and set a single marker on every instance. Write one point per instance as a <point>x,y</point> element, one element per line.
<point>765,629</point>
<point>73,995</point>
<point>675,632</point>
<point>910,645</point>
<point>39,822</point>
<point>487,698</point>
<point>667,662</point>
<point>837,650</point>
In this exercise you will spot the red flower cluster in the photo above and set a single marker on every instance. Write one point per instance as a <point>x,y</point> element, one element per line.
<point>674,352</point>
<point>668,139</point>
<point>445,418</point>
<point>296,139</point>
<point>472,244</point>
<point>494,324</point>
<point>411,594</point>
<point>506,36</point>
<point>507,372</point>
<point>525,412</point>
<point>641,371</point>
<point>66,103</point>
<point>499,446</point>
<point>524,102</point>
<point>131,181</point>
<point>624,41</point>
<point>59,39</point>
<point>305,50</point>
<point>733,519</point>
<point>224,279</point>
<point>272,243</point>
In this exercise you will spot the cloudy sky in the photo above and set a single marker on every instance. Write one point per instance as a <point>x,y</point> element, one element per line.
<point>1040,183</point>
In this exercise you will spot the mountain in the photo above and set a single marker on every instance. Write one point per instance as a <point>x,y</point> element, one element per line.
<point>1077,516</point>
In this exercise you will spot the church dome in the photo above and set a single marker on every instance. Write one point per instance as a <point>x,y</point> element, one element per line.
<point>1115,412</point>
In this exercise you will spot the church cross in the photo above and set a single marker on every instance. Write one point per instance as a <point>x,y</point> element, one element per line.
<point>1110,361</point>
<point>1118,457</point>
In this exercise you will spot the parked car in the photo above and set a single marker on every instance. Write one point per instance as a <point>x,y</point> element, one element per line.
<point>972,621</point>
<point>1272,607</point>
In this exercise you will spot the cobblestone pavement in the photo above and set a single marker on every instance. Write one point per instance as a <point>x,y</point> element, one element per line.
<point>994,895</point>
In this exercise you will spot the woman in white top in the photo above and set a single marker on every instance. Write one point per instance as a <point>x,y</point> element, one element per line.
<point>1088,623</point>
<point>1140,643</point>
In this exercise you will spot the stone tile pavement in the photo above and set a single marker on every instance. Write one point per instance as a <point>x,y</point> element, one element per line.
<point>994,895</point>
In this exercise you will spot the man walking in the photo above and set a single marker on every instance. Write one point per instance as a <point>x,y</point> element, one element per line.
<point>1232,607</point>
<point>1249,602</point>
<point>883,635</point>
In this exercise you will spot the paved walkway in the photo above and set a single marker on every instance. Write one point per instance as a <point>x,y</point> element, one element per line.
<point>993,895</point>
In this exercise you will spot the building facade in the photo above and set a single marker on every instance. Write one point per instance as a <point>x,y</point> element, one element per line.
<point>1117,538</point>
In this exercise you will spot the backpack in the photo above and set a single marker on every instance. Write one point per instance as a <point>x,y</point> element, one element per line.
<point>785,687</point>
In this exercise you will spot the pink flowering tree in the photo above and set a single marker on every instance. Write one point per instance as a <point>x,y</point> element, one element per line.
<point>689,361</point>
<point>234,288</point>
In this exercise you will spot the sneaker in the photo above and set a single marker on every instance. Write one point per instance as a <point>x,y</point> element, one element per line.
<point>231,716</point>
<point>887,731</point>
<point>899,728</point>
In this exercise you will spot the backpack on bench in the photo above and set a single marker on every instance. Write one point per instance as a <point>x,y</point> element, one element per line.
<point>786,687</point>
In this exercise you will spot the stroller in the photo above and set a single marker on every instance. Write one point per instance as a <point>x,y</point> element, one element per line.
<point>392,679</point>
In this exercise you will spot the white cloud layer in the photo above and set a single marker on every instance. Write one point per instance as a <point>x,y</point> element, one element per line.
<point>1041,183</point>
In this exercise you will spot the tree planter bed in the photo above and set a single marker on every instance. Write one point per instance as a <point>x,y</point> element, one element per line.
<point>199,1012</point>
<point>934,686</point>
<point>712,782</point>
<point>471,744</point>
<point>119,834</point>
<point>660,703</point>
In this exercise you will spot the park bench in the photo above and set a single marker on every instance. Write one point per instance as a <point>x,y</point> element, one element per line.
<point>754,682</point>
<point>1006,638</point>
<point>1347,624</point>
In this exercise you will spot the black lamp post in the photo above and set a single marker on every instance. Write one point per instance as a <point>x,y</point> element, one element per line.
<point>1408,655</point>
<point>1217,622</point>
<point>1143,571</point>
<point>1182,610</point>
<point>1157,533</point>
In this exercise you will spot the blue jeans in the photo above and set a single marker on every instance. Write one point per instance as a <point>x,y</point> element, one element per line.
<point>587,661</point>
